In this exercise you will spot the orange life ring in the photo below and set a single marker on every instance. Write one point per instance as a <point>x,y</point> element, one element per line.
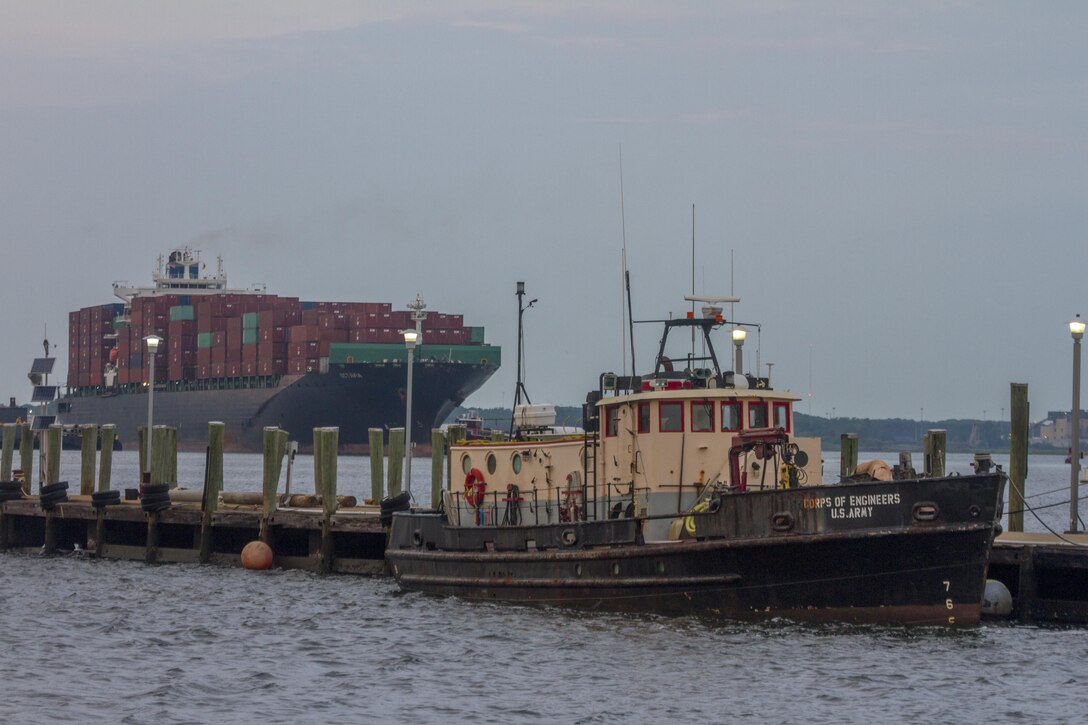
<point>475,485</point>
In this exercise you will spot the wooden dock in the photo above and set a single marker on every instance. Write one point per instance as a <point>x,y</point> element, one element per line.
<point>1047,575</point>
<point>174,534</point>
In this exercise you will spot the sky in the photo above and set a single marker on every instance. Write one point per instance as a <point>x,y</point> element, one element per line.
<point>896,191</point>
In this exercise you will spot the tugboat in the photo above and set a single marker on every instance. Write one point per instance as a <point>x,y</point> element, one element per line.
<point>689,492</point>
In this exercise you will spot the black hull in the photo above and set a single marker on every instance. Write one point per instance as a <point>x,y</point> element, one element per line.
<point>352,397</point>
<point>887,567</point>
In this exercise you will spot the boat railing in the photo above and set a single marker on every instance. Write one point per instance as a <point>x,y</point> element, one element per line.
<point>510,506</point>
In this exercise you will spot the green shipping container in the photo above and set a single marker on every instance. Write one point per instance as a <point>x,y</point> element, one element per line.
<point>341,353</point>
<point>476,335</point>
<point>249,336</point>
<point>249,321</point>
<point>179,313</point>
<point>204,339</point>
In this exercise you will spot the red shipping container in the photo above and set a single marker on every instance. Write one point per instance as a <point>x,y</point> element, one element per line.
<point>219,354</point>
<point>234,369</point>
<point>249,369</point>
<point>271,350</point>
<point>203,356</point>
<point>249,354</point>
<point>219,338</point>
<point>272,334</point>
<point>272,367</point>
<point>218,370</point>
<point>204,371</point>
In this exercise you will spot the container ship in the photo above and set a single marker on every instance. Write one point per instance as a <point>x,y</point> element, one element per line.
<point>251,359</point>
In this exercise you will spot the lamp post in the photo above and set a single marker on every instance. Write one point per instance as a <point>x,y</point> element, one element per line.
<point>1076,329</point>
<point>411,338</point>
<point>739,334</point>
<point>152,346</point>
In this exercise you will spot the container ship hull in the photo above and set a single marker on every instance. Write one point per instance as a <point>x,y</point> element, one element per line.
<point>353,397</point>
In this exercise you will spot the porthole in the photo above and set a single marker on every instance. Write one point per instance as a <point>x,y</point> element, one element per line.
<point>466,463</point>
<point>492,464</point>
<point>616,569</point>
<point>577,570</point>
<point>515,463</point>
<point>660,567</point>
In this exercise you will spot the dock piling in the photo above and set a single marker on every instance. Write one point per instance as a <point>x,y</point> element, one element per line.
<point>396,460</point>
<point>376,465</point>
<point>325,450</point>
<point>107,434</point>
<point>213,484</point>
<point>275,445</point>
<point>848,455</point>
<point>438,443</point>
<point>55,437</point>
<point>1018,453</point>
<point>26,456</point>
<point>88,442</point>
<point>935,450</point>
<point>8,452</point>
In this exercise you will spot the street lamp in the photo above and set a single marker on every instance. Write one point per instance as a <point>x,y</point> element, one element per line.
<point>152,346</point>
<point>411,338</point>
<point>1076,329</point>
<point>739,334</point>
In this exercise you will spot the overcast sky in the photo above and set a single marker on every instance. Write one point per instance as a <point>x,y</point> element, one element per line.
<point>901,186</point>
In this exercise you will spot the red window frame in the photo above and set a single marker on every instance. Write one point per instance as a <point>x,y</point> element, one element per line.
<point>753,407</point>
<point>783,406</point>
<point>736,415</point>
<point>611,421</point>
<point>679,404</point>
<point>643,417</point>
<point>709,408</point>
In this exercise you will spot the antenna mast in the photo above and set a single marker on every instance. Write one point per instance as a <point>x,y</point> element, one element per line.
<point>626,275</point>
<point>519,389</point>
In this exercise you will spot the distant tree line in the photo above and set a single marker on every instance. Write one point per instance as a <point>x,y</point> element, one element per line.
<point>874,434</point>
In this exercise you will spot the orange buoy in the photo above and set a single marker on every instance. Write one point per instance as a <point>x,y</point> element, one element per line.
<point>257,555</point>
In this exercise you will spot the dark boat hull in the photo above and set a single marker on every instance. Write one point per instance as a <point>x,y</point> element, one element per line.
<point>748,559</point>
<point>352,397</point>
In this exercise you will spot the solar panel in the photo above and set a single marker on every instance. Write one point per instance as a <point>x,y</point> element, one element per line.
<point>43,365</point>
<point>43,393</point>
<point>42,422</point>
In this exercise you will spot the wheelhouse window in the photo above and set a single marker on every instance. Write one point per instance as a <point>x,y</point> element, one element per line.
<point>731,415</point>
<point>670,417</point>
<point>612,420</point>
<point>702,416</point>
<point>643,417</point>
<point>757,415</point>
<point>782,416</point>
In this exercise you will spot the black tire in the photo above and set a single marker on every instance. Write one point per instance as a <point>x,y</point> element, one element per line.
<point>10,495</point>
<point>54,497</point>
<point>58,486</point>
<point>10,485</point>
<point>104,495</point>
<point>153,507</point>
<point>400,502</point>
<point>154,498</point>
<point>154,488</point>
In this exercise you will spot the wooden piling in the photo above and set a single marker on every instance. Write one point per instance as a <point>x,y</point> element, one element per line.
<point>848,455</point>
<point>396,460</point>
<point>8,452</point>
<point>151,552</point>
<point>325,449</point>
<point>26,456</point>
<point>438,443</point>
<point>49,546</point>
<point>213,485</point>
<point>376,464</point>
<point>1018,453</point>
<point>145,466</point>
<point>55,436</point>
<point>275,445</point>
<point>935,449</point>
<point>88,441</point>
<point>107,434</point>
<point>164,455</point>
<point>454,434</point>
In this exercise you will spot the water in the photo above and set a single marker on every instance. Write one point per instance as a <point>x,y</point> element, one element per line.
<point>107,641</point>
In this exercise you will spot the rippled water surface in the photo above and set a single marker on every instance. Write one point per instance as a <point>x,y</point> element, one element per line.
<point>104,641</point>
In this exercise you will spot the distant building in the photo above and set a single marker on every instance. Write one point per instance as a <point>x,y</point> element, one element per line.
<point>1056,429</point>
